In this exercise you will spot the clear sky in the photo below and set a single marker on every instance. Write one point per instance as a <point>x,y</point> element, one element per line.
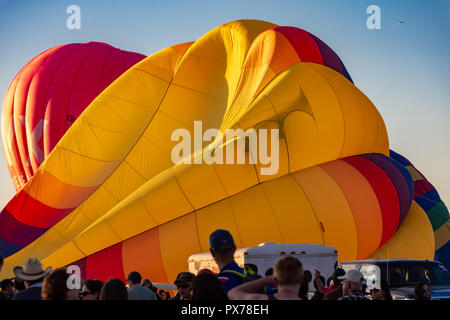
<point>403,68</point>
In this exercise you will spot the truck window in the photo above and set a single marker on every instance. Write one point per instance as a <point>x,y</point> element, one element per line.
<point>409,273</point>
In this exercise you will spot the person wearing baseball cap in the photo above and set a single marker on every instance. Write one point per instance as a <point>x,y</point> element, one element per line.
<point>352,286</point>
<point>33,275</point>
<point>334,291</point>
<point>222,248</point>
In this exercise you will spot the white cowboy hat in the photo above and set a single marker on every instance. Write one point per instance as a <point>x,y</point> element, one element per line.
<point>31,270</point>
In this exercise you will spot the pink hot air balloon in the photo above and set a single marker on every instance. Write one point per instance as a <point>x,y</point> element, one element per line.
<point>49,94</point>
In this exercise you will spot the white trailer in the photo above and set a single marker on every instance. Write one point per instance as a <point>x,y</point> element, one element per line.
<point>264,256</point>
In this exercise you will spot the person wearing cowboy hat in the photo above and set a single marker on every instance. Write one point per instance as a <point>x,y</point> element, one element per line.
<point>33,275</point>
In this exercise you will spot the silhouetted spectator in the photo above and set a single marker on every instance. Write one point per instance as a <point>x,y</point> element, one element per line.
<point>147,283</point>
<point>114,289</point>
<point>381,292</point>
<point>136,291</point>
<point>222,248</point>
<point>205,270</point>
<point>7,289</point>
<point>33,275</point>
<point>251,273</point>
<point>91,290</point>
<point>206,286</point>
<point>269,288</point>
<point>304,288</point>
<point>287,278</point>
<point>19,285</point>
<point>55,285</point>
<point>184,286</point>
<point>422,291</point>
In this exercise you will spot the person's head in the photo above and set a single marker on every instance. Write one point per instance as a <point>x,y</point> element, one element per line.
<point>207,286</point>
<point>422,291</point>
<point>222,247</point>
<point>381,292</point>
<point>269,272</point>
<point>304,287</point>
<point>353,281</point>
<point>7,287</point>
<point>337,276</point>
<point>19,285</point>
<point>147,283</point>
<point>164,295</point>
<point>204,270</point>
<point>134,279</point>
<point>31,272</point>
<point>91,290</point>
<point>55,285</point>
<point>184,284</point>
<point>288,271</point>
<point>251,268</point>
<point>114,289</point>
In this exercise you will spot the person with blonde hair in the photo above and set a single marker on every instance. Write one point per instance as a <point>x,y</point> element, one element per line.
<point>287,278</point>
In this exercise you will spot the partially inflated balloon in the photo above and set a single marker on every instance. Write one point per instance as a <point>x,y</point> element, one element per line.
<point>49,94</point>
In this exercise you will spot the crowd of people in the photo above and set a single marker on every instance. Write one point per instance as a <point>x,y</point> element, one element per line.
<point>285,281</point>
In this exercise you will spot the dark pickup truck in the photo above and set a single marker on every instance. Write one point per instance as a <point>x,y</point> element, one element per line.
<point>402,276</point>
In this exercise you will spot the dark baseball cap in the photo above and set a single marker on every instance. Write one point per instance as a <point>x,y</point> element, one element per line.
<point>338,274</point>
<point>184,278</point>
<point>221,240</point>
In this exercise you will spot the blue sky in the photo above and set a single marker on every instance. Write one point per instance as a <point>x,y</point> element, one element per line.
<point>403,68</point>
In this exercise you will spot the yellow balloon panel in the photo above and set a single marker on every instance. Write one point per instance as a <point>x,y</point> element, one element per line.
<point>123,181</point>
<point>254,217</point>
<point>200,184</point>
<point>335,215</point>
<point>132,221</point>
<point>302,140</point>
<point>178,239</point>
<point>155,195</point>
<point>413,240</point>
<point>294,213</point>
<point>218,215</point>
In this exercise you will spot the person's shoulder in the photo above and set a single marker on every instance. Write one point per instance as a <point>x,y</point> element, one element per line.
<point>151,294</point>
<point>140,293</point>
<point>28,294</point>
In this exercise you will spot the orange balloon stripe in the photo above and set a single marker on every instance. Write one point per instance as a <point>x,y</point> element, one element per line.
<point>363,202</point>
<point>142,253</point>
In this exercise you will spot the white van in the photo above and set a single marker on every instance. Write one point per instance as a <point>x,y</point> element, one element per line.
<point>264,256</point>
